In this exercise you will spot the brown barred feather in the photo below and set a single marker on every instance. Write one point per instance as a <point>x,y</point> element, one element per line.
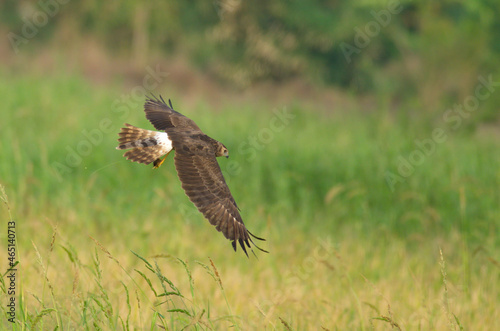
<point>132,136</point>
<point>144,155</point>
<point>143,143</point>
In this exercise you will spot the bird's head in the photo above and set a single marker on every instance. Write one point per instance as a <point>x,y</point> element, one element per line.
<point>222,150</point>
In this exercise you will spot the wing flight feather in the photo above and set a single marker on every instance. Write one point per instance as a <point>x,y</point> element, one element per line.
<point>204,184</point>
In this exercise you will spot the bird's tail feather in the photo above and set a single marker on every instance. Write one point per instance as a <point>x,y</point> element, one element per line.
<point>131,136</point>
<point>145,148</point>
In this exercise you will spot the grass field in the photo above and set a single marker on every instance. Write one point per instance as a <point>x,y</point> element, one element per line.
<point>104,243</point>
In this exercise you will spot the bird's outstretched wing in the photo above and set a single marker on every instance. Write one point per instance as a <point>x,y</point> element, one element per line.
<point>204,184</point>
<point>164,118</point>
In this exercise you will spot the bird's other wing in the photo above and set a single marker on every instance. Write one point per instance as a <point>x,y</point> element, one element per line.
<point>163,117</point>
<point>204,184</point>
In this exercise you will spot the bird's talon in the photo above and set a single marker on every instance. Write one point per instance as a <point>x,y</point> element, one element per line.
<point>158,162</point>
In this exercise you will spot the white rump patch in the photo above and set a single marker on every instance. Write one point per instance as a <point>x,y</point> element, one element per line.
<point>164,142</point>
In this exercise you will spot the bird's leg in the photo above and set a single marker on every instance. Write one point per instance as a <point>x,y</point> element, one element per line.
<point>158,162</point>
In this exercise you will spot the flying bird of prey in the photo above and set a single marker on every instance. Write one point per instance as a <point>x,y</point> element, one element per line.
<point>195,162</point>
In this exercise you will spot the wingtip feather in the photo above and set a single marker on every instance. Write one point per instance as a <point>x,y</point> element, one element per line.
<point>247,242</point>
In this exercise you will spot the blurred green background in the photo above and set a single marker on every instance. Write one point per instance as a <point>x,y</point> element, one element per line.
<point>371,125</point>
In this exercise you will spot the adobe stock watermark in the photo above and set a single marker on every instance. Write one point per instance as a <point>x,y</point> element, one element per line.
<point>249,148</point>
<point>121,109</point>
<point>453,119</point>
<point>364,36</point>
<point>34,22</point>
<point>253,144</point>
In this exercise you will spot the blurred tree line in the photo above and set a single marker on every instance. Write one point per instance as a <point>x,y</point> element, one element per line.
<point>425,51</point>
